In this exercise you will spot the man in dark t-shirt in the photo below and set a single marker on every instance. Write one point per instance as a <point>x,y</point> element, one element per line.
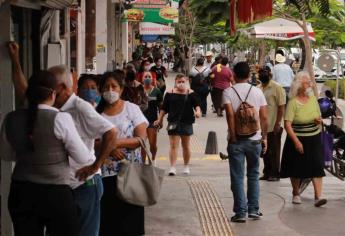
<point>161,73</point>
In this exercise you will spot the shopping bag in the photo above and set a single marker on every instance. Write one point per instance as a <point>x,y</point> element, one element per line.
<point>139,184</point>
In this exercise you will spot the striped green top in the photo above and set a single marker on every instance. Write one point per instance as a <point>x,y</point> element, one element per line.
<point>302,116</point>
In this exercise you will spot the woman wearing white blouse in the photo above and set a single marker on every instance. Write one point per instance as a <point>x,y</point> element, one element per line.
<point>117,216</point>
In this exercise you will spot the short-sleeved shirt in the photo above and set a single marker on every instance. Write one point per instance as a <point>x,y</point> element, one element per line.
<point>222,77</point>
<point>155,98</point>
<point>255,98</point>
<point>125,122</point>
<point>302,116</point>
<point>275,97</point>
<point>90,126</point>
<point>173,105</point>
<point>283,75</point>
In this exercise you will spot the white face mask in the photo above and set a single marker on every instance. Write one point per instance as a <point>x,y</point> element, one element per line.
<point>111,96</point>
<point>309,91</point>
<point>181,86</point>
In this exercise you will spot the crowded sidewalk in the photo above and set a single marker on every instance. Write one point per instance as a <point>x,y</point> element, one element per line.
<point>177,212</point>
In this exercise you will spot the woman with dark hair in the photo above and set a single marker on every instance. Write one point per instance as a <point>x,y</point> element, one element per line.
<point>40,139</point>
<point>183,106</point>
<point>87,88</point>
<point>134,91</point>
<point>117,216</point>
<point>199,81</point>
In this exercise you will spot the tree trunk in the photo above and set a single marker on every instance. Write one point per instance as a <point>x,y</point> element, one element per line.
<point>262,52</point>
<point>309,56</point>
<point>303,56</point>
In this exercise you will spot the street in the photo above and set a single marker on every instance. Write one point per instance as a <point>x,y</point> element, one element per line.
<point>177,212</point>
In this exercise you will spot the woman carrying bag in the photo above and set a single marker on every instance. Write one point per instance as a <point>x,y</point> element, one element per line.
<point>117,216</point>
<point>182,105</point>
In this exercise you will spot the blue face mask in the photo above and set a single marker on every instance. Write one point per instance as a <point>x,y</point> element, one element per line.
<point>147,81</point>
<point>89,95</point>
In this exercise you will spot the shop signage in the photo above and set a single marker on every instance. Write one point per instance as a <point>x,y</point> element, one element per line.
<point>147,28</point>
<point>156,11</point>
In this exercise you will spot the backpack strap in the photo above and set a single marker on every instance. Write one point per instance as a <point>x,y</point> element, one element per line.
<point>248,93</point>
<point>239,97</point>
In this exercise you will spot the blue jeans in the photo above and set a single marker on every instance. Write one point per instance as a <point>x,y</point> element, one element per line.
<point>88,197</point>
<point>239,152</point>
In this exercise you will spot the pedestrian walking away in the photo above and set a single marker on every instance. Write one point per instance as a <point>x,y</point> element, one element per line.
<point>246,112</point>
<point>199,82</point>
<point>117,216</point>
<point>275,97</point>
<point>302,153</point>
<point>182,106</point>
<point>222,79</point>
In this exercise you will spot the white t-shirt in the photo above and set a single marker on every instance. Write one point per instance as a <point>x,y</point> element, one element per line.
<point>255,98</point>
<point>126,121</point>
<point>90,126</point>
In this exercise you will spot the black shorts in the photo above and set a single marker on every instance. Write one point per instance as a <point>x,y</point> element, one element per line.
<point>183,130</point>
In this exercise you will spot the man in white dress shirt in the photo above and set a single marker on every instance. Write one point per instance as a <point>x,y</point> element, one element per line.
<point>85,180</point>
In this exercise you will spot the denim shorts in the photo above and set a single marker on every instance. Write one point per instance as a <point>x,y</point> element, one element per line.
<point>183,130</point>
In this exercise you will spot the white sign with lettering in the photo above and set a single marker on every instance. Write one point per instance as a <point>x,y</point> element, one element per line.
<point>147,28</point>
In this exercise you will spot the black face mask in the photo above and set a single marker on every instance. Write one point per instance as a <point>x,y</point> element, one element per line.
<point>264,79</point>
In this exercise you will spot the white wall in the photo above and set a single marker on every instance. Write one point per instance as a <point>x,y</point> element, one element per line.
<point>101,36</point>
<point>125,41</point>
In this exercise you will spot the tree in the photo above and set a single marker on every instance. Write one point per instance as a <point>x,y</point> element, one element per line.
<point>186,30</point>
<point>305,9</point>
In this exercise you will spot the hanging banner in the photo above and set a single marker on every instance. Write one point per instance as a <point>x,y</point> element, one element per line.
<point>147,28</point>
<point>156,11</point>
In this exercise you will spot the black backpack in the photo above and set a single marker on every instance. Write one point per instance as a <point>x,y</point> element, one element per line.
<point>199,79</point>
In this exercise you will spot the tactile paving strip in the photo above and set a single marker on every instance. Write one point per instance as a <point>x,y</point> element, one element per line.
<point>213,219</point>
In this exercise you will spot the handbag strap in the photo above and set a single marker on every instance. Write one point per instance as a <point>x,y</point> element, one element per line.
<point>144,147</point>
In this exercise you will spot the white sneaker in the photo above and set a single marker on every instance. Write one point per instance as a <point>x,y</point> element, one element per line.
<point>154,163</point>
<point>186,170</point>
<point>296,199</point>
<point>172,171</point>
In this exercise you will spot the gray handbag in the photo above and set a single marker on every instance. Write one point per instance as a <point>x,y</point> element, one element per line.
<point>139,184</point>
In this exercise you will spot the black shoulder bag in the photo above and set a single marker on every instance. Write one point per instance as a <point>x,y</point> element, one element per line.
<point>175,126</point>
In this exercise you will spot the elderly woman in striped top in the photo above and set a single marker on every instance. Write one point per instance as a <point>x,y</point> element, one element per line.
<point>302,153</point>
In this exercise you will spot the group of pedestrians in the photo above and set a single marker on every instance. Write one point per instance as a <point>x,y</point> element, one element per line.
<point>208,77</point>
<point>68,148</point>
<point>254,118</point>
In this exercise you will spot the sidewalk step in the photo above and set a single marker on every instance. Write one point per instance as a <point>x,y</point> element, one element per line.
<point>212,217</point>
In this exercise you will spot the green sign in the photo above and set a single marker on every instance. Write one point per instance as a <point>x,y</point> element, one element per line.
<point>156,11</point>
